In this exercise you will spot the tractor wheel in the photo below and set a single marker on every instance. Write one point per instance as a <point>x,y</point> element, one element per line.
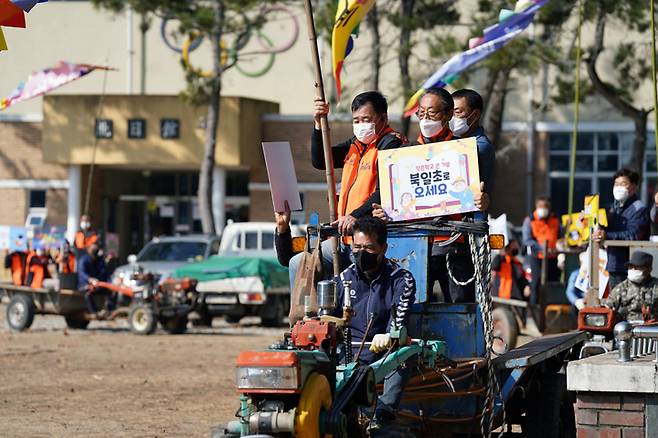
<point>506,328</point>
<point>175,325</point>
<point>76,322</point>
<point>315,398</point>
<point>550,412</point>
<point>20,312</point>
<point>142,320</point>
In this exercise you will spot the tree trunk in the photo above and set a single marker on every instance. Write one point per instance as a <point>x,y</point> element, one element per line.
<point>212,122</point>
<point>638,115</point>
<point>493,124</point>
<point>407,8</point>
<point>372,19</point>
<point>488,90</point>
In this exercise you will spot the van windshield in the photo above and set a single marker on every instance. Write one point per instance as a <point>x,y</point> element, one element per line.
<point>172,251</point>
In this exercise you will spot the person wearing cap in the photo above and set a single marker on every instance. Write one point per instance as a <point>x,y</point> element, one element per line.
<point>636,298</point>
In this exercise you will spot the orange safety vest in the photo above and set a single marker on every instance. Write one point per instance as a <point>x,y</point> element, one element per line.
<point>506,276</point>
<point>67,263</point>
<point>360,174</point>
<point>37,268</point>
<point>84,240</point>
<point>18,259</point>
<point>545,230</point>
<point>445,135</point>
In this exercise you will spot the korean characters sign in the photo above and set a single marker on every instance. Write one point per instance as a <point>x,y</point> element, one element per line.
<point>429,180</point>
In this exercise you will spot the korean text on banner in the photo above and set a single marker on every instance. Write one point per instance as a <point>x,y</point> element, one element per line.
<point>435,179</point>
<point>281,172</point>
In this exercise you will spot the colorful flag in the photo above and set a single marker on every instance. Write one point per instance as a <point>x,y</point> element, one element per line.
<point>3,42</point>
<point>43,81</point>
<point>12,14</point>
<point>511,24</point>
<point>348,16</point>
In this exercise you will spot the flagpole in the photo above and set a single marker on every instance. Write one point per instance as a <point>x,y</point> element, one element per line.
<point>324,127</point>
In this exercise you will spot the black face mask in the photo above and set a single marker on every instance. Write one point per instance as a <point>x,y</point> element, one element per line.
<point>515,252</point>
<point>365,261</point>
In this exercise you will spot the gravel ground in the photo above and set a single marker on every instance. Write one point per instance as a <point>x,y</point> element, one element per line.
<point>105,381</point>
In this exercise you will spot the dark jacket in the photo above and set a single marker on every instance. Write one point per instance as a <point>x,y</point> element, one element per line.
<point>90,268</point>
<point>339,152</point>
<point>283,245</point>
<point>629,221</point>
<point>392,286</point>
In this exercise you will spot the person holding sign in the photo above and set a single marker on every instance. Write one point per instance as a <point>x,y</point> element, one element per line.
<point>357,156</point>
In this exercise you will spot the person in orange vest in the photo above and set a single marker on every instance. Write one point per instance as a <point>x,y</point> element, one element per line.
<point>37,268</point>
<point>357,156</point>
<point>509,277</point>
<point>65,259</point>
<point>542,228</point>
<point>85,236</point>
<point>15,261</point>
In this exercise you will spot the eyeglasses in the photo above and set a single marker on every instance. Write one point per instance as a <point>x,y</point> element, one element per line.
<point>430,114</point>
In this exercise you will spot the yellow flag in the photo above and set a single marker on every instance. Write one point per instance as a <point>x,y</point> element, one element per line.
<point>3,42</point>
<point>348,15</point>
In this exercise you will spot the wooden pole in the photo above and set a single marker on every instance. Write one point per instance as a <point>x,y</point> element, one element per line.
<point>324,127</point>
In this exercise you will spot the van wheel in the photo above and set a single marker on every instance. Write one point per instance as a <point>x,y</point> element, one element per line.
<point>274,310</point>
<point>506,328</point>
<point>175,325</point>
<point>20,312</point>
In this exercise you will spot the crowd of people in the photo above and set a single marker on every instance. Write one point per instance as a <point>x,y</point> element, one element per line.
<point>85,264</point>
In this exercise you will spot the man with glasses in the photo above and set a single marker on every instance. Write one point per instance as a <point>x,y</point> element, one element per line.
<point>628,219</point>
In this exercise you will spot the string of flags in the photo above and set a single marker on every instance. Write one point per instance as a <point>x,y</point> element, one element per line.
<point>510,24</point>
<point>12,14</point>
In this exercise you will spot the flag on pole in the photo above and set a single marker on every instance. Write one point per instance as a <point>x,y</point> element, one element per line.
<point>43,81</point>
<point>348,16</point>
<point>12,14</point>
<point>511,23</point>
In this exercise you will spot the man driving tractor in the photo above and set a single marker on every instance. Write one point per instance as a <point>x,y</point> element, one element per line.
<point>377,284</point>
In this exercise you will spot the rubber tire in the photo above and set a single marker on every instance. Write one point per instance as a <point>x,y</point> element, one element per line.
<point>151,322</point>
<point>204,321</point>
<point>507,324</point>
<point>75,322</point>
<point>280,312</point>
<point>174,326</point>
<point>550,410</point>
<point>27,316</point>
<point>232,319</point>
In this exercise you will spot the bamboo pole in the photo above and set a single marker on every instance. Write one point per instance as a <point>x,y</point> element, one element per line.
<point>576,113</point>
<point>653,71</point>
<point>324,127</point>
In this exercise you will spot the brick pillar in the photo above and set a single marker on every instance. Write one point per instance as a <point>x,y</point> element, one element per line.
<point>611,415</point>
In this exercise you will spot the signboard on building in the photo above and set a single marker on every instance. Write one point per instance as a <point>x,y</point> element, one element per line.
<point>169,128</point>
<point>430,180</point>
<point>137,128</point>
<point>104,128</point>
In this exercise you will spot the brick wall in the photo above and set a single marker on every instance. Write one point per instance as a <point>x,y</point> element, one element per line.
<point>14,203</point>
<point>611,415</point>
<point>21,156</point>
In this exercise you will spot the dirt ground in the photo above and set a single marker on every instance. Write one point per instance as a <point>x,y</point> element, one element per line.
<point>105,381</point>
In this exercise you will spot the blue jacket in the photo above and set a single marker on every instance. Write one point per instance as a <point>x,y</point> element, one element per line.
<point>392,286</point>
<point>486,159</point>
<point>629,221</point>
<point>90,268</point>
<point>573,293</point>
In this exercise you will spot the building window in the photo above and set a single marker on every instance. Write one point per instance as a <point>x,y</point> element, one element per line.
<point>104,128</point>
<point>137,128</point>
<point>599,156</point>
<point>37,199</point>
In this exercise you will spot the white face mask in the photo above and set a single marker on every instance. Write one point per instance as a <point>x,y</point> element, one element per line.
<point>635,275</point>
<point>542,213</point>
<point>429,128</point>
<point>620,193</point>
<point>85,225</point>
<point>458,125</point>
<point>364,132</point>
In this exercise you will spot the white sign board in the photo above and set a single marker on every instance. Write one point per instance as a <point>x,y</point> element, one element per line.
<point>281,172</point>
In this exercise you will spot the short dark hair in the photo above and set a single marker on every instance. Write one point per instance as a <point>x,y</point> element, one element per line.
<point>543,198</point>
<point>373,227</point>
<point>632,175</point>
<point>473,98</point>
<point>443,94</point>
<point>374,98</point>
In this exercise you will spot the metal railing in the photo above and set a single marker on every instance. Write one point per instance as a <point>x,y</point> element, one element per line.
<point>635,342</point>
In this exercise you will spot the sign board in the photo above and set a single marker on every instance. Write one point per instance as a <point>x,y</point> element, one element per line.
<point>282,176</point>
<point>435,179</point>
